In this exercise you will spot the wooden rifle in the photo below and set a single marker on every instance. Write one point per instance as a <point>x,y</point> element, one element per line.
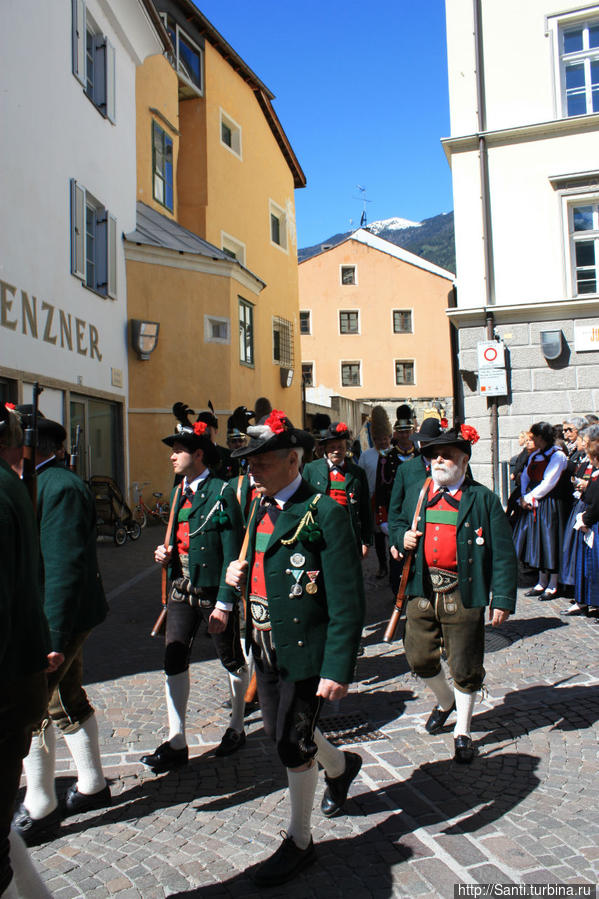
<point>29,444</point>
<point>160,621</point>
<point>400,599</point>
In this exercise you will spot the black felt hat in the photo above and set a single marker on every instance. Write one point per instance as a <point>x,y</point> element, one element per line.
<point>405,418</point>
<point>429,429</point>
<point>276,433</point>
<point>192,436</point>
<point>337,430</point>
<point>51,431</point>
<point>463,438</point>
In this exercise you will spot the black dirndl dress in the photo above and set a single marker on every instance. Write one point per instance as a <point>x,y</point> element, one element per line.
<point>586,591</point>
<point>571,539</point>
<point>538,532</point>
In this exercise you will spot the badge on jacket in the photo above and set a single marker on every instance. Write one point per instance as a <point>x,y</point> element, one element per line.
<point>479,536</point>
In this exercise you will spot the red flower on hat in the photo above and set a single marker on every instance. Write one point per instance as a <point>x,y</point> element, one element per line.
<point>276,421</point>
<point>341,427</point>
<point>200,428</point>
<point>469,433</point>
<point>10,406</point>
<point>444,424</point>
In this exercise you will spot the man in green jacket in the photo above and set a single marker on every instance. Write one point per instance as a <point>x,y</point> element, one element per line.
<point>463,558</point>
<point>344,481</point>
<point>74,603</point>
<point>305,602</point>
<point>24,646</point>
<point>207,534</point>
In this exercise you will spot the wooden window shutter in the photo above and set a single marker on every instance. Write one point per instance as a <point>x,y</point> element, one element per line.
<point>78,39</point>
<point>77,230</point>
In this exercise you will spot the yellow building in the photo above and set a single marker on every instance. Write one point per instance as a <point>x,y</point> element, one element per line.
<point>213,258</point>
<point>373,325</point>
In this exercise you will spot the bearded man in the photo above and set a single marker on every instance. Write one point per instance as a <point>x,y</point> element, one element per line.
<point>463,559</point>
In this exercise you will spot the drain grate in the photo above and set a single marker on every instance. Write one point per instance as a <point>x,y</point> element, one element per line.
<point>353,728</point>
<point>495,641</point>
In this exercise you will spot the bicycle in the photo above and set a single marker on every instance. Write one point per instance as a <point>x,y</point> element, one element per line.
<point>142,513</point>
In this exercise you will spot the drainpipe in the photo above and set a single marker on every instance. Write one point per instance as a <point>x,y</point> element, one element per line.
<point>486,224</point>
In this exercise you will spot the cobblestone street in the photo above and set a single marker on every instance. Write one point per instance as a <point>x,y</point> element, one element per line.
<point>525,811</point>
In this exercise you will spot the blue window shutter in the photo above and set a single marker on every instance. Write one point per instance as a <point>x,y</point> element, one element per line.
<point>110,82</point>
<point>112,251</point>
<point>78,39</point>
<point>99,97</point>
<point>77,230</point>
<point>101,251</point>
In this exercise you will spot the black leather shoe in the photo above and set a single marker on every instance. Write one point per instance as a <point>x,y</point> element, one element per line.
<point>464,750</point>
<point>286,862</point>
<point>165,758</point>
<point>337,787</point>
<point>231,742</point>
<point>534,591</point>
<point>548,594</point>
<point>437,718</point>
<point>36,830</point>
<point>75,803</point>
<point>575,610</point>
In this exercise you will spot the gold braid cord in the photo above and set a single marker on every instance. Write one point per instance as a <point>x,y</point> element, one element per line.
<point>307,519</point>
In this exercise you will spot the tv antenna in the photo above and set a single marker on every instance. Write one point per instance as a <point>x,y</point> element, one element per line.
<point>362,197</point>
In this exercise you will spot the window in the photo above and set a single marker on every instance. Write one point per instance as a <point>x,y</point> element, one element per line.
<point>349,322</point>
<point>584,236</point>
<point>278,226</point>
<point>188,61</point>
<point>305,322</point>
<point>162,166</point>
<point>579,52</point>
<point>282,341</point>
<point>233,248</point>
<point>93,60</point>
<point>351,375</point>
<point>230,134</point>
<point>348,274</point>
<point>404,372</point>
<point>93,242</point>
<point>308,374</point>
<point>216,329</point>
<point>402,321</point>
<point>246,332</point>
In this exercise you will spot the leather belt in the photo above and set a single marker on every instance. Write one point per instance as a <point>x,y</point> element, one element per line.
<point>443,581</point>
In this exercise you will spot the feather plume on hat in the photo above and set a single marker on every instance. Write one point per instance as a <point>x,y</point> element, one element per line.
<point>380,424</point>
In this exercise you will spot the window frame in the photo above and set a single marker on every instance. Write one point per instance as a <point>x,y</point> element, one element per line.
<point>346,265</point>
<point>357,362</point>
<point>570,201</point>
<point>410,330</point>
<point>312,372</point>
<point>178,29</point>
<point>355,312</point>
<point>236,146</point>
<point>236,247</point>
<point>284,359</point>
<point>307,312</point>
<point>411,362</point>
<point>243,355</point>
<point>166,137</point>
<point>209,321</point>
<point>276,211</point>
<point>105,268</point>
<point>101,89</point>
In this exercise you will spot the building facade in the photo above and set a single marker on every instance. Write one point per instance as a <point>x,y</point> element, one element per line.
<point>524,158</point>
<point>373,325</point>
<point>68,184</point>
<point>213,258</point>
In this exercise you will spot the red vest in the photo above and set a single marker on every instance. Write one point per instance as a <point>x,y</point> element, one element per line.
<point>263,531</point>
<point>440,548</point>
<point>183,527</point>
<point>336,488</point>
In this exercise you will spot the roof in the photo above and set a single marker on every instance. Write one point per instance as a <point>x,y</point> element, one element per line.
<point>156,230</point>
<point>263,95</point>
<point>158,25</point>
<point>362,235</point>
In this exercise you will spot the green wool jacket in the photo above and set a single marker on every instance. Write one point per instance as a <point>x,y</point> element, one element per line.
<point>484,568</point>
<point>244,491</point>
<point>74,599</point>
<point>217,544</point>
<point>24,639</point>
<point>409,473</point>
<point>318,474</point>
<point>314,634</point>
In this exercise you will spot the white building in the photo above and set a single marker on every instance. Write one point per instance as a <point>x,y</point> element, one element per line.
<point>68,188</point>
<point>525,139</point>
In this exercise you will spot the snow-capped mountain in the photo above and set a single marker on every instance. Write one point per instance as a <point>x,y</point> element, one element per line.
<point>394,224</point>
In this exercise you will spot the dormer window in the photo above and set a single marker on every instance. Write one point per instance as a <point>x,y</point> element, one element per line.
<point>189,59</point>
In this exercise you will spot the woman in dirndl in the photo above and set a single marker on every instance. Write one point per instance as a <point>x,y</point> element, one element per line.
<point>539,529</point>
<point>581,468</point>
<point>586,590</point>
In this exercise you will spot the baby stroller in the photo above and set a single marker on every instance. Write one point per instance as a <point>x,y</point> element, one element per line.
<point>112,512</point>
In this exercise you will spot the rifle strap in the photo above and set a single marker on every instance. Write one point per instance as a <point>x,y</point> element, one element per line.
<point>401,593</point>
<point>167,539</point>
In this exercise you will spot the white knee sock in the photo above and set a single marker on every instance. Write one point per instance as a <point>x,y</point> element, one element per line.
<point>84,746</point>
<point>330,757</point>
<point>40,798</point>
<point>464,704</point>
<point>443,692</point>
<point>177,694</point>
<point>26,882</point>
<point>302,789</point>
<point>238,684</point>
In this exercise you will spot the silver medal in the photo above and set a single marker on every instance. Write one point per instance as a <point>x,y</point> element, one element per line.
<point>297,560</point>
<point>480,541</point>
<point>296,590</point>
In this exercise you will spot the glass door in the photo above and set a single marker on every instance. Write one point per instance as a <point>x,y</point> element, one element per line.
<point>100,438</point>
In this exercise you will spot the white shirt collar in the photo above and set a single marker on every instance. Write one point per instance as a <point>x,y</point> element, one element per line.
<point>454,487</point>
<point>193,485</point>
<point>287,492</point>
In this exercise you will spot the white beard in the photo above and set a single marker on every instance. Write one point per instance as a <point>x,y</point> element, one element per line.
<point>447,475</point>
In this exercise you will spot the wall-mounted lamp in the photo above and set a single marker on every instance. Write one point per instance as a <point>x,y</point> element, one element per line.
<point>144,337</point>
<point>551,345</point>
<point>286,377</point>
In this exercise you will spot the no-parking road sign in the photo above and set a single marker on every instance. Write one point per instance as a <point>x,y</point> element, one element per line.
<point>491,354</point>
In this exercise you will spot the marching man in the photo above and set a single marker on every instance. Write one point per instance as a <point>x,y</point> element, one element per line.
<point>305,602</point>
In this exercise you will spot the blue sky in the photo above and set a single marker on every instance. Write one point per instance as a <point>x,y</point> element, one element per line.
<point>361,90</point>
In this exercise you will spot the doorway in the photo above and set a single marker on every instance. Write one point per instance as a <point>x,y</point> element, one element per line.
<point>100,447</point>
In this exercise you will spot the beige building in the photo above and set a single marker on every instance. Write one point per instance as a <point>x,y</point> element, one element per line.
<point>373,325</point>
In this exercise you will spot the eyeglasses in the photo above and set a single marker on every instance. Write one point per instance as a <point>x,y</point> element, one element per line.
<point>568,429</point>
